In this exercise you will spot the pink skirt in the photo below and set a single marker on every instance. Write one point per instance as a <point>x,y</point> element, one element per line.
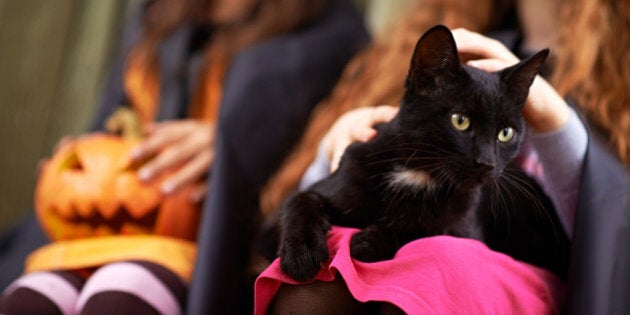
<point>434,275</point>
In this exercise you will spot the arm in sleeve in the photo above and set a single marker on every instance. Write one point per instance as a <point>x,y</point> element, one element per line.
<point>561,154</point>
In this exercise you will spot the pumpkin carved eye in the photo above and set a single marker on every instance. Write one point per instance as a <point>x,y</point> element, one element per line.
<point>72,162</point>
<point>506,134</point>
<point>461,122</point>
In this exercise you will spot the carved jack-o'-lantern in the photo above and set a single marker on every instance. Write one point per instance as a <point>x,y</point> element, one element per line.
<point>90,188</point>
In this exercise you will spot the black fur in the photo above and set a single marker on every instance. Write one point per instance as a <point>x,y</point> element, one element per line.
<point>451,176</point>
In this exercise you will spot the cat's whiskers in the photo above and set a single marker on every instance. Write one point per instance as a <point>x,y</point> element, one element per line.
<point>397,191</point>
<point>498,200</point>
<point>405,165</point>
<point>419,154</point>
<point>446,178</point>
<point>405,160</point>
<point>541,210</point>
<point>525,188</point>
<point>406,146</point>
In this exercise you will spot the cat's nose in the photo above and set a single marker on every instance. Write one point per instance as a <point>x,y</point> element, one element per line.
<point>485,165</point>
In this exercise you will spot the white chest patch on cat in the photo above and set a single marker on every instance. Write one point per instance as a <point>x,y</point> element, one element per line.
<point>414,179</point>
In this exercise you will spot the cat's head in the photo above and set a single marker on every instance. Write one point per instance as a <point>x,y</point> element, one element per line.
<point>472,119</point>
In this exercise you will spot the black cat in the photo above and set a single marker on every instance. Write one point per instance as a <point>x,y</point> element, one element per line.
<point>434,169</point>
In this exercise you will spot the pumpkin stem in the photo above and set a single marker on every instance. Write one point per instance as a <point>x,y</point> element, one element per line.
<point>125,122</point>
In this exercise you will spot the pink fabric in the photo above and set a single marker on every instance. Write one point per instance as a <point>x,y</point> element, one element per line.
<point>435,275</point>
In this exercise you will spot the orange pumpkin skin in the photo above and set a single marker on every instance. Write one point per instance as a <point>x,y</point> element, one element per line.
<point>90,188</point>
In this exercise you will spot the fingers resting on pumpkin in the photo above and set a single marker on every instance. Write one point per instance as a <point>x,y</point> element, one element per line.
<point>199,192</point>
<point>159,136</point>
<point>184,148</point>
<point>194,169</point>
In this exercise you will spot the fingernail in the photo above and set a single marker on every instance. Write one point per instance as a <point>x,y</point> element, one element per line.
<point>168,188</point>
<point>196,198</point>
<point>136,153</point>
<point>144,174</point>
<point>473,63</point>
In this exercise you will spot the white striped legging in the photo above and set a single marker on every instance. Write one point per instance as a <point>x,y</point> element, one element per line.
<point>134,287</point>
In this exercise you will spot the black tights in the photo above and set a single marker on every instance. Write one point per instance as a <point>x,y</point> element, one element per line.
<point>324,298</point>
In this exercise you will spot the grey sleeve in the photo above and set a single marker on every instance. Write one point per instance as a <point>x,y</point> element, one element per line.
<point>561,154</point>
<point>319,169</point>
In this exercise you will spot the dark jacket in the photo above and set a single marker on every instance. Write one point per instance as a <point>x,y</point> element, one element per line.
<point>599,278</point>
<point>256,130</point>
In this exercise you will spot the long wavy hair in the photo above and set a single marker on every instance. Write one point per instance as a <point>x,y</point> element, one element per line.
<point>375,76</point>
<point>594,68</point>
<point>267,19</point>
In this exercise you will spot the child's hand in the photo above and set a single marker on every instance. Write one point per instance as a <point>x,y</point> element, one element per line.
<point>186,145</point>
<point>355,125</point>
<point>545,110</point>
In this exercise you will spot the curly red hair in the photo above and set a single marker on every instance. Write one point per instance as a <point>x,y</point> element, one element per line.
<point>594,70</point>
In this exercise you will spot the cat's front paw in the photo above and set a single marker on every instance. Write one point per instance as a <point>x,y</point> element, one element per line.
<point>371,246</point>
<point>302,262</point>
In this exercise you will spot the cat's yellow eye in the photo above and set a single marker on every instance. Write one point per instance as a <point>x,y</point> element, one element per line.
<point>461,122</point>
<point>506,134</point>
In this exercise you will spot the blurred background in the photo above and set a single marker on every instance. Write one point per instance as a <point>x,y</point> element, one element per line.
<point>54,57</point>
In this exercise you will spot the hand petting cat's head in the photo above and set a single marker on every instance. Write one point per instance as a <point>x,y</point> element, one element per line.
<point>471,118</point>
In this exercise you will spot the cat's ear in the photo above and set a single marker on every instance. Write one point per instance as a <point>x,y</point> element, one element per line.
<point>435,60</point>
<point>519,77</point>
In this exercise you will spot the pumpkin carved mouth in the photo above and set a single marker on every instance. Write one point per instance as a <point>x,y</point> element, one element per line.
<point>119,223</point>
